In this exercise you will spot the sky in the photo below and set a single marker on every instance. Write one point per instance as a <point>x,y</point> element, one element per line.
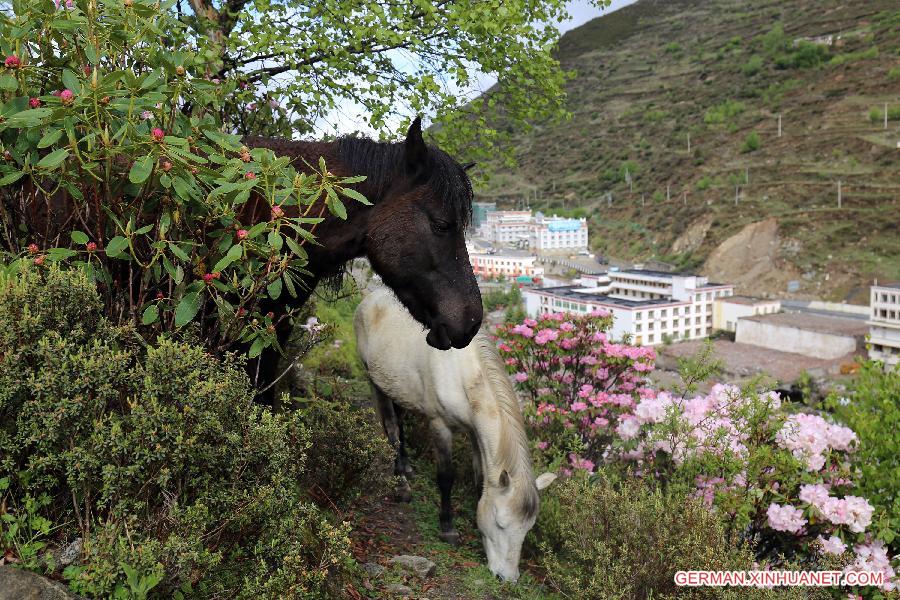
<point>348,118</point>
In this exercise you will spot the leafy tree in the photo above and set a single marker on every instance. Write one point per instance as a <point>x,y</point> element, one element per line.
<point>387,58</point>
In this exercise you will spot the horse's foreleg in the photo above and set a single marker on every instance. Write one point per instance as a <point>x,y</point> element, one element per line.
<point>443,449</point>
<point>405,467</point>
<point>390,420</point>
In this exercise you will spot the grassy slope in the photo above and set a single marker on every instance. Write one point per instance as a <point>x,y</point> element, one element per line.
<point>648,74</point>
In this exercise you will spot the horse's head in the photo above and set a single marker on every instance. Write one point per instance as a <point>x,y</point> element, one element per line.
<point>415,242</point>
<point>507,510</point>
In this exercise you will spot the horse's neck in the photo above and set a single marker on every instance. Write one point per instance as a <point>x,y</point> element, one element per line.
<point>340,239</point>
<point>501,440</point>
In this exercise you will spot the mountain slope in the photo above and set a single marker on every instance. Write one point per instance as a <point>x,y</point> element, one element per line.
<point>658,75</point>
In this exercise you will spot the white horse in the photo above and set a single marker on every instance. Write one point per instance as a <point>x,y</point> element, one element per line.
<point>455,389</point>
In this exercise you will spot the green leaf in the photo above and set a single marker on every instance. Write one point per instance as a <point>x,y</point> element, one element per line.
<point>151,314</point>
<point>295,247</point>
<point>11,178</point>
<point>8,83</point>
<point>28,118</point>
<point>187,309</point>
<point>351,193</point>
<point>274,289</point>
<point>177,251</point>
<point>79,237</point>
<point>55,254</point>
<point>141,170</point>
<point>336,206</point>
<point>54,159</point>
<point>234,253</point>
<point>256,348</point>
<point>274,240</point>
<point>50,138</point>
<point>70,80</point>
<point>116,246</point>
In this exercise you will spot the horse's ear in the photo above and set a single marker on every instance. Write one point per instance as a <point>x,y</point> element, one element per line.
<point>468,166</point>
<point>415,149</point>
<point>504,479</point>
<point>544,480</point>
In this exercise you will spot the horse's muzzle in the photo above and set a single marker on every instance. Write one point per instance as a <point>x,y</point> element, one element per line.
<point>438,338</point>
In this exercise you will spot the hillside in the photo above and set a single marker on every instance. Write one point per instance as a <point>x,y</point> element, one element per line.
<point>658,73</point>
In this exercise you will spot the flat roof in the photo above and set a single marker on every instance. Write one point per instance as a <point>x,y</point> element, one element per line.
<point>506,254</point>
<point>813,322</point>
<point>745,300</point>
<point>574,293</point>
<point>895,286</point>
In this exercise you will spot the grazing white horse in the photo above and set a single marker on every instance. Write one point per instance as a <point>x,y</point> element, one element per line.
<point>455,389</point>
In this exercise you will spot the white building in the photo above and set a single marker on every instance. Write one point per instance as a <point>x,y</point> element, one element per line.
<point>506,263</point>
<point>506,226</point>
<point>728,309</point>
<point>543,234</point>
<point>884,324</point>
<point>652,307</point>
<point>556,234</point>
<point>814,335</point>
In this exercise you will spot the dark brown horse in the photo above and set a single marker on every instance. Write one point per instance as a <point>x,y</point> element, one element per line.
<point>413,234</point>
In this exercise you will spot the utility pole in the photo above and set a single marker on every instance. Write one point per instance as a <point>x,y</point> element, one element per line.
<point>779,124</point>
<point>689,142</point>
<point>737,194</point>
<point>840,199</point>
<point>609,199</point>
<point>668,195</point>
<point>885,115</point>
<point>684,197</point>
<point>642,200</point>
<point>747,176</point>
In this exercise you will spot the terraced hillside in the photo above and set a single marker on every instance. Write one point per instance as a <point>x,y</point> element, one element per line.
<point>673,148</point>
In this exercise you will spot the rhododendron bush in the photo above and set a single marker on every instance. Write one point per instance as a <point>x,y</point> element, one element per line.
<point>577,381</point>
<point>110,123</point>
<point>784,479</point>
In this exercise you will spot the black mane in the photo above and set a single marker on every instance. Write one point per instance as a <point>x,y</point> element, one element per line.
<point>383,163</point>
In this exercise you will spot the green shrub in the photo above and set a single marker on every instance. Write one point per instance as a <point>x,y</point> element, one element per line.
<point>654,116</point>
<point>893,74</point>
<point>751,143</point>
<point>620,539</point>
<point>156,456</point>
<point>672,48</point>
<point>752,66</point>
<point>350,454</point>
<point>876,113</point>
<point>872,411</point>
<point>724,112</point>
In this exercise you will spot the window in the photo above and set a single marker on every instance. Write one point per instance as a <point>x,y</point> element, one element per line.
<point>697,333</point>
<point>663,313</point>
<point>638,316</point>
<point>650,314</point>
<point>650,339</point>
<point>637,328</point>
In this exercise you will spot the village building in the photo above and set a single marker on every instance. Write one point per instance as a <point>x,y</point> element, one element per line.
<point>538,232</point>
<point>884,324</point>
<point>511,264</point>
<point>728,309</point>
<point>649,306</point>
<point>815,335</point>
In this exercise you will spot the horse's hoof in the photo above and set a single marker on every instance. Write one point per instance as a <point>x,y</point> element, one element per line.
<point>451,537</point>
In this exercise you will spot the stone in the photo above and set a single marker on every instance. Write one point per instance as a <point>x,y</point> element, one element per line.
<point>418,565</point>
<point>373,569</point>
<point>18,584</point>
<point>69,554</point>
<point>398,589</point>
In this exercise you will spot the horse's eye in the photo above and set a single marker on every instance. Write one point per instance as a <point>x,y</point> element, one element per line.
<point>441,227</point>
